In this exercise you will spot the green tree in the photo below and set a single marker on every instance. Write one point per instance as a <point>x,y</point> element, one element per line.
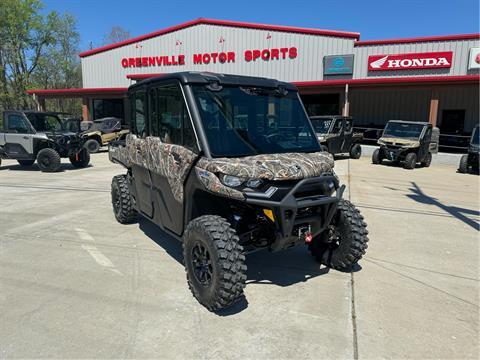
<point>36,50</point>
<point>60,68</point>
<point>24,33</point>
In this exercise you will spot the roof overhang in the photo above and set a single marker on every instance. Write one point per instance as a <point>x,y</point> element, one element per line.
<point>475,36</point>
<point>77,92</point>
<point>142,76</point>
<point>406,80</point>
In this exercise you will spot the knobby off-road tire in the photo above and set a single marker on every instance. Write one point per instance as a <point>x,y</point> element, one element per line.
<point>48,160</point>
<point>123,208</point>
<point>81,160</point>
<point>410,161</point>
<point>463,167</point>
<point>26,162</point>
<point>214,262</point>
<point>92,145</point>
<point>428,160</point>
<point>356,151</point>
<point>344,243</point>
<point>377,157</point>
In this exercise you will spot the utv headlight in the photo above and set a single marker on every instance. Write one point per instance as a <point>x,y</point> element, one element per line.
<point>230,180</point>
<point>321,138</point>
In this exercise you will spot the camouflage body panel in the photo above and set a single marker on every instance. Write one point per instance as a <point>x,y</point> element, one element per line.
<point>174,162</point>
<point>289,166</point>
<point>398,141</point>
<point>212,183</point>
<point>171,161</point>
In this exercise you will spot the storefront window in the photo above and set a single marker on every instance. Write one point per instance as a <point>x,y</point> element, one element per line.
<point>321,104</point>
<point>108,108</point>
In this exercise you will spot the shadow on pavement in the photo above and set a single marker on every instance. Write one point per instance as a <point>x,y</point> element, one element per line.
<point>34,167</point>
<point>283,268</point>
<point>458,212</point>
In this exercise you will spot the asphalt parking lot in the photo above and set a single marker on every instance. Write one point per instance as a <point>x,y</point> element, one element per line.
<point>76,284</point>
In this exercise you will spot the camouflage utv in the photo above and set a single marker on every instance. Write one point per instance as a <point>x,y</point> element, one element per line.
<point>230,165</point>
<point>407,142</point>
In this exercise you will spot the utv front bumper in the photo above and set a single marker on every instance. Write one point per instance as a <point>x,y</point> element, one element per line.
<point>393,153</point>
<point>309,204</point>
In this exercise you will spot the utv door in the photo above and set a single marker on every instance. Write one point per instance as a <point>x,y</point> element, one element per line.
<point>175,145</point>
<point>140,169</point>
<point>336,142</point>
<point>425,143</point>
<point>18,136</point>
<point>347,135</point>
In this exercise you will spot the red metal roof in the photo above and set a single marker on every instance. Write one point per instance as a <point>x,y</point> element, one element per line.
<point>419,39</point>
<point>77,92</point>
<point>291,29</point>
<point>390,81</point>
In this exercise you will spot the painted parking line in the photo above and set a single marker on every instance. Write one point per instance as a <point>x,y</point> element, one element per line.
<point>93,251</point>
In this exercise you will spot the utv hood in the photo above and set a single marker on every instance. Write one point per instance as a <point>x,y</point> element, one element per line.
<point>398,141</point>
<point>288,166</point>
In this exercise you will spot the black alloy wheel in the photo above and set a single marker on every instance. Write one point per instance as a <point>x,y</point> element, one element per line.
<point>202,264</point>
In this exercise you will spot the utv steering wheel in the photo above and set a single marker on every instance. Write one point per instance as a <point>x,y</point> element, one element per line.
<point>275,134</point>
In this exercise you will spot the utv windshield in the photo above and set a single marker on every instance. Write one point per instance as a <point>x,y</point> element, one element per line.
<point>250,121</point>
<point>403,130</point>
<point>475,137</point>
<point>45,122</point>
<point>107,125</point>
<point>321,126</point>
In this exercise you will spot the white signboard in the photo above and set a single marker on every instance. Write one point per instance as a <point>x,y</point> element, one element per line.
<point>474,59</point>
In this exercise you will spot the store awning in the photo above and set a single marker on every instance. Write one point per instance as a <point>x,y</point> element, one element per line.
<point>77,92</point>
<point>405,80</point>
<point>361,82</point>
<point>138,77</point>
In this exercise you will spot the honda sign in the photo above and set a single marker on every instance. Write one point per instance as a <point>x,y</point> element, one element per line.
<point>433,60</point>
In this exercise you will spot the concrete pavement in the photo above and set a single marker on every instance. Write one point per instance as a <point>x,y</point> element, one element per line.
<point>76,284</point>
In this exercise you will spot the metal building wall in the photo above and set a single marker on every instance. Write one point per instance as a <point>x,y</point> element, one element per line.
<point>460,50</point>
<point>378,105</point>
<point>105,69</point>
<point>375,106</point>
<point>460,97</point>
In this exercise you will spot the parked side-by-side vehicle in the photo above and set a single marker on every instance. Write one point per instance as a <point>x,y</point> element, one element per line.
<point>470,162</point>
<point>230,165</point>
<point>29,136</point>
<point>336,135</point>
<point>407,142</point>
<point>99,132</point>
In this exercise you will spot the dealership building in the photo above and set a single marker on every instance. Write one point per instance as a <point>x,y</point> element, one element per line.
<point>433,79</point>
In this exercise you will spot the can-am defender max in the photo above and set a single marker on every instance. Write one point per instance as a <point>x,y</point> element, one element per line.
<point>27,136</point>
<point>229,165</point>
<point>336,135</point>
<point>410,142</point>
<point>470,162</point>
